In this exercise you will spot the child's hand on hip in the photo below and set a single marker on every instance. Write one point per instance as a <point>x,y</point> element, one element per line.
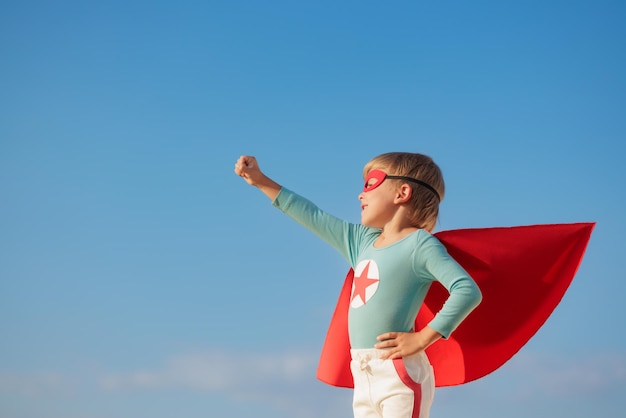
<point>404,344</point>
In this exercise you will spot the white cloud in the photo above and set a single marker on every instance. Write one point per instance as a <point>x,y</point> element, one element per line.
<point>36,384</point>
<point>285,381</point>
<point>564,375</point>
<point>282,381</point>
<point>217,371</point>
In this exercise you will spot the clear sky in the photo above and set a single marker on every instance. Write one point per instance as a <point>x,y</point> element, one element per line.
<point>140,277</point>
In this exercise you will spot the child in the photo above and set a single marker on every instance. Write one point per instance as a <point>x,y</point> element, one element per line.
<point>395,259</point>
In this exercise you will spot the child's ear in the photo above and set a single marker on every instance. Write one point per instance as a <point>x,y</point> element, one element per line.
<point>404,193</point>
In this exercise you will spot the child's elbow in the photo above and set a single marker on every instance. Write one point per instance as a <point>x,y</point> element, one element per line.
<point>477,296</point>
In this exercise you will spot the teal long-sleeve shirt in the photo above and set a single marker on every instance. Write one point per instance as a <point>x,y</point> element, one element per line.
<point>391,282</point>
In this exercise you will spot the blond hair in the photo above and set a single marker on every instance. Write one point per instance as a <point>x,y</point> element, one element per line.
<point>424,204</point>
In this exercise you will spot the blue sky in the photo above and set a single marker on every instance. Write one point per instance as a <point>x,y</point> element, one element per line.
<point>139,277</point>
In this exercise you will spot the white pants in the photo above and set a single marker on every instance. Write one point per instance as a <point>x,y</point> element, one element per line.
<point>400,388</point>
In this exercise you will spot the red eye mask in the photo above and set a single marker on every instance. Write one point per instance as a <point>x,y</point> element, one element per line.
<point>376,177</point>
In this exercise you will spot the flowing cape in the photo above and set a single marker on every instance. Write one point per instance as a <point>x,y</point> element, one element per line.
<point>523,273</point>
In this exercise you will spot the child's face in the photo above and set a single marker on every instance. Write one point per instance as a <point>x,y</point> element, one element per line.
<point>377,203</point>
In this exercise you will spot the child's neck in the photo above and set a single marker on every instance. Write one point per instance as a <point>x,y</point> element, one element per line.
<point>391,235</point>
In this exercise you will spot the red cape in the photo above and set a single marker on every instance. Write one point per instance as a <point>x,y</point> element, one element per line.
<point>523,272</point>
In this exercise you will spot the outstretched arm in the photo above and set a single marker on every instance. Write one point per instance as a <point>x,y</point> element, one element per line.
<point>247,168</point>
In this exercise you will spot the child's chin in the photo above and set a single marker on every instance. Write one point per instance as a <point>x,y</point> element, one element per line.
<point>364,222</point>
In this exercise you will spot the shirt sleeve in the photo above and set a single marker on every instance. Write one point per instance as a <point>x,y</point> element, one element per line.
<point>340,234</point>
<point>434,263</point>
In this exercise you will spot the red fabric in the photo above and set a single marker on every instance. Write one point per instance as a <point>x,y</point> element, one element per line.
<point>523,273</point>
<point>398,364</point>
